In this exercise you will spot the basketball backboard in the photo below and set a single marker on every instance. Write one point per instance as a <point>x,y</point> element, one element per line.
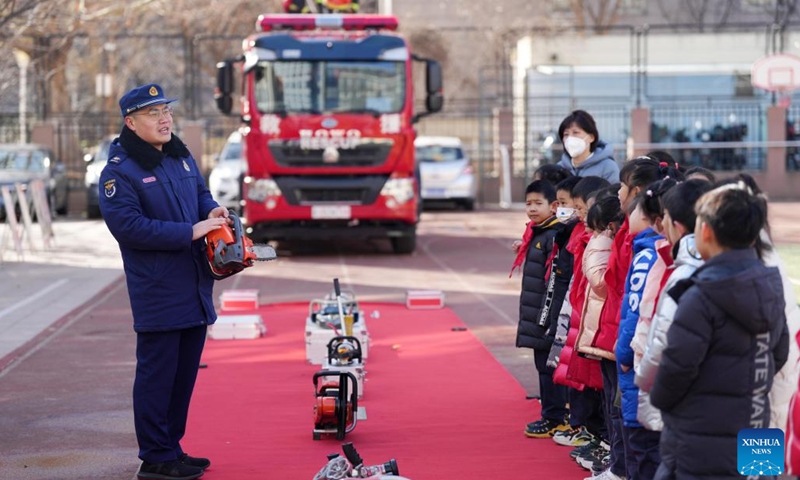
<point>776,73</point>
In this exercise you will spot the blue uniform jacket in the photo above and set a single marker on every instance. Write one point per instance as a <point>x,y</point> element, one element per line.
<point>644,256</point>
<point>150,212</point>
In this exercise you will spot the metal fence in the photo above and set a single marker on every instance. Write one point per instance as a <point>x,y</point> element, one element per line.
<point>695,133</point>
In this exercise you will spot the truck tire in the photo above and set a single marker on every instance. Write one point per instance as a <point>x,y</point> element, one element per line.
<point>404,245</point>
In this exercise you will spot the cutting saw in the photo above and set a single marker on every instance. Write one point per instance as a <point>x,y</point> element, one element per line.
<point>230,251</point>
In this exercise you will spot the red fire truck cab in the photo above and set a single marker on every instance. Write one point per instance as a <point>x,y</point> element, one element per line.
<point>327,106</point>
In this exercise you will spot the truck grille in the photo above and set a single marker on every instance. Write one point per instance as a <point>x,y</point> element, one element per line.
<point>311,196</point>
<point>369,153</point>
<point>322,189</point>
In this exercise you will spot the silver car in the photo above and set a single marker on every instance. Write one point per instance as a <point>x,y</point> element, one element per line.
<point>445,172</point>
<point>23,163</point>
<point>225,178</point>
<point>94,167</point>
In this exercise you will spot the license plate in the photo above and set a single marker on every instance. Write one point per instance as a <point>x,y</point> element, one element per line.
<point>328,212</point>
<point>434,192</point>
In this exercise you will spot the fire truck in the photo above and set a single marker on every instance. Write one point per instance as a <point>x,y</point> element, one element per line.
<point>327,106</point>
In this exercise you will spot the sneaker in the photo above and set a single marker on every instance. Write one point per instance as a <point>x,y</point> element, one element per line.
<point>199,462</point>
<point>605,475</point>
<point>585,449</point>
<point>574,437</point>
<point>173,470</point>
<point>544,428</point>
<point>602,465</point>
<point>595,455</point>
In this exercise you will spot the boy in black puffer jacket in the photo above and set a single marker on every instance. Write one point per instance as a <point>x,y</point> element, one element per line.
<point>727,340</point>
<point>540,206</point>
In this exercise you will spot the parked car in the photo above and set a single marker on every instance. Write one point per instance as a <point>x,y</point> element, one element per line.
<point>94,166</point>
<point>23,163</point>
<point>445,172</point>
<point>226,176</point>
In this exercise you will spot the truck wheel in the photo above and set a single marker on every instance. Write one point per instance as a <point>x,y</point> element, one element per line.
<point>469,204</point>
<point>404,245</point>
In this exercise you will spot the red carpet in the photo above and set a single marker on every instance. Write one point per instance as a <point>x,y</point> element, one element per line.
<point>437,402</point>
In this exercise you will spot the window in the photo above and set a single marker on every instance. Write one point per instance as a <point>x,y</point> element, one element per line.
<point>437,154</point>
<point>330,87</point>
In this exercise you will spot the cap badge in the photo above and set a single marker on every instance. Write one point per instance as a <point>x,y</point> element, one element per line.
<point>153,92</point>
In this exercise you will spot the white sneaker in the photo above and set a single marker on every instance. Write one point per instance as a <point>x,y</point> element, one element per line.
<point>574,437</point>
<point>606,475</point>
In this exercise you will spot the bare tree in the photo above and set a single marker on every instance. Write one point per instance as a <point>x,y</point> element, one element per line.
<point>597,14</point>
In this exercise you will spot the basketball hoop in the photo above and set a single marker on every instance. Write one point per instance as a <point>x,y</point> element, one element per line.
<point>779,73</point>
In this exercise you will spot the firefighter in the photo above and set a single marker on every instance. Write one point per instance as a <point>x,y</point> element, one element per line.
<point>156,204</point>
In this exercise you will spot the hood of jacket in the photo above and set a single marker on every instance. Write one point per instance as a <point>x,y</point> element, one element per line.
<point>745,289</point>
<point>687,253</point>
<point>602,151</point>
<point>645,239</point>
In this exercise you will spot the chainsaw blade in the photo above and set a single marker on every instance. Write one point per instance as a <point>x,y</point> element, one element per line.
<point>263,253</point>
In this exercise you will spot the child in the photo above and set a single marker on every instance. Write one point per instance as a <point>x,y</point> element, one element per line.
<point>641,445</point>
<point>586,422</point>
<point>604,220</point>
<point>658,274</point>
<point>678,221</point>
<point>540,206</point>
<point>727,339</point>
<point>635,176</point>
<point>563,261</point>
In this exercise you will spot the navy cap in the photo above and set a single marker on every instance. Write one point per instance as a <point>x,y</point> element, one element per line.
<point>141,97</point>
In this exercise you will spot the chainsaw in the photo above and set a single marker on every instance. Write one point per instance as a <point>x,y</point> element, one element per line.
<point>230,251</point>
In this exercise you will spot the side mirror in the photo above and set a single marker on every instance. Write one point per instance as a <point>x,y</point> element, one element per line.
<point>435,100</point>
<point>88,158</point>
<point>222,94</point>
<point>433,77</point>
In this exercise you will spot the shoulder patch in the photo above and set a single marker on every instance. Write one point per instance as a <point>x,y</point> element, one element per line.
<point>186,166</point>
<point>114,160</point>
<point>110,187</point>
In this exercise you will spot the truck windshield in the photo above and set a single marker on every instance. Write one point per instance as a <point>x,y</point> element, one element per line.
<point>327,87</point>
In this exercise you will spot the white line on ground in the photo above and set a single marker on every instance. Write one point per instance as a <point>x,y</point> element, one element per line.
<point>33,297</point>
<point>468,286</point>
<point>60,329</point>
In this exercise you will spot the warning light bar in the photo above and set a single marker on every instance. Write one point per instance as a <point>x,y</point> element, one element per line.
<point>268,23</point>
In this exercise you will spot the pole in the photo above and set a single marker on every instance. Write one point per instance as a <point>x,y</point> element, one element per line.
<point>23,59</point>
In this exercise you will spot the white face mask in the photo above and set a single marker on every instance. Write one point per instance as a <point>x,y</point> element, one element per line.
<point>575,146</point>
<point>564,213</point>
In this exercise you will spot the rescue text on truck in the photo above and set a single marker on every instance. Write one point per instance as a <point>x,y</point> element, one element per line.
<point>327,107</point>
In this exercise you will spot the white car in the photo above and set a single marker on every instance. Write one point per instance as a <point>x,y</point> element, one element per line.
<point>445,172</point>
<point>225,178</point>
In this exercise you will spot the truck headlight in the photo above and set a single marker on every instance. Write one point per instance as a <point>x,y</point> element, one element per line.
<point>258,190</point>
<point>399,189</point>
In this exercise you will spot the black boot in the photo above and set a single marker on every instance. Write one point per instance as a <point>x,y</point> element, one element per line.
<point>174,470</point>
<point>198,462</point>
